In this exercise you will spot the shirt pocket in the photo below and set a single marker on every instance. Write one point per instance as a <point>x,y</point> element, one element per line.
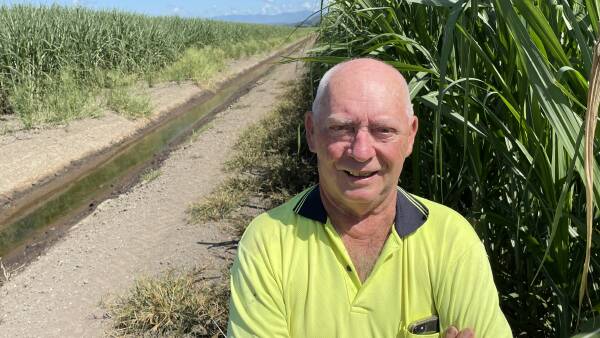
<point>423,319</point>
<point>406,334</point>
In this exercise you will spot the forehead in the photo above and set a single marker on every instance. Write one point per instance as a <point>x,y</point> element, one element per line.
<point>353,97</point>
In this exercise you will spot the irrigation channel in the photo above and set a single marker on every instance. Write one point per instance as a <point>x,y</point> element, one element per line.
<point>60,202</point>
<point>144,230</point>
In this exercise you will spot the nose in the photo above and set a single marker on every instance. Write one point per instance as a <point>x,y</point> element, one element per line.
<point>361,148</point>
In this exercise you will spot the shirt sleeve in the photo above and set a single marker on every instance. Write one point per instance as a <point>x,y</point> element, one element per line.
<point>256,307</point>
<point>467,296</point>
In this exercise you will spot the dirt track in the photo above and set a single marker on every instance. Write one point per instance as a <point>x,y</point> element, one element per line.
<point>33,157</point>
<point>141,232</point>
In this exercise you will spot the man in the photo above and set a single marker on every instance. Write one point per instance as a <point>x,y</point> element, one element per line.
<point>356,256</point>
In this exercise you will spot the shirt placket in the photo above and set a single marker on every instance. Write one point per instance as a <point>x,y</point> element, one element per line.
<point>354,286</point>
<point>390,247</point>
<point>346,266</point>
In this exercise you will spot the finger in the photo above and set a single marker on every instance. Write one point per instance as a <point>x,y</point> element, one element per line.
<point>451,332</point>
<point>466,333</point>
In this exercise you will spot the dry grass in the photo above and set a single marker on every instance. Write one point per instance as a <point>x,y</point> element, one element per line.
<point>174,304</point>
<point>221,202</point>
<point>6,273</point>
<point>150,175</point>
<point>270,164</point>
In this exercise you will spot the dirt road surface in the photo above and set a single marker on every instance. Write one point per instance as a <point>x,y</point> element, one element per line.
<point>33,157</point>
<point>141,232</point>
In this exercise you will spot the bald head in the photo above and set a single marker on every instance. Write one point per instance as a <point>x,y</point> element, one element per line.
<point>369,72</point>
<point>362,130</point>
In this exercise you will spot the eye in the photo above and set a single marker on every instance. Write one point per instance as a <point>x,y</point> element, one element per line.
<point>341,128</point>
<point>384,130</point>
<point>341,132</point>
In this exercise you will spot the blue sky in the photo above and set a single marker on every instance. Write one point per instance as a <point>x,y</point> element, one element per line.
<point>200,8</point>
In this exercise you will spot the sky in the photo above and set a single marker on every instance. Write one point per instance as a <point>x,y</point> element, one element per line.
<point>188,8</point>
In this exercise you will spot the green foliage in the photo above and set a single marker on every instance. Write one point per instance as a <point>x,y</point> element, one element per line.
<point>500,90</point>
<point>150,175</point>
<point>174,304</point>
<point>129,104</point>
<point>196,64</point>
<point>274,151</point>
<point>39,46</point>
<point>221,202</point>
<point>178,304</point>
<point>68,100</point>
<point>201,64</point>
<point>271,161</point>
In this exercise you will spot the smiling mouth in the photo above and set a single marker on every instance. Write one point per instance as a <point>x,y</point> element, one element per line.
<point>360,174</point>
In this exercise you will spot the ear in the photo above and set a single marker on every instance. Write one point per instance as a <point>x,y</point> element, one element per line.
<point>309,126</point>
<point>414,127</point>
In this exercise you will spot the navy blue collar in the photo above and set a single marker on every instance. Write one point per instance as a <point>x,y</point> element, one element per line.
<point>410,213</point>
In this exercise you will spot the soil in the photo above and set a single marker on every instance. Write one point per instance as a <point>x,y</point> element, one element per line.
<point>144,231</point>
<point>32,157</point>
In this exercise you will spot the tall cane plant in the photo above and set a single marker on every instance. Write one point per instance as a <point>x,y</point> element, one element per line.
<point>500,88</point>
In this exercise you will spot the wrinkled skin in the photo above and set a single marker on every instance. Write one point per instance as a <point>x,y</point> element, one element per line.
<point>362,134</point>
<point>362,129</point>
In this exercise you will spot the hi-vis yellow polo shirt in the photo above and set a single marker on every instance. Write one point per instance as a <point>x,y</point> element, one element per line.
<point>294,278</point>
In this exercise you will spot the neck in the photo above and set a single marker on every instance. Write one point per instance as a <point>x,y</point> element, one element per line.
<point>364,221</point>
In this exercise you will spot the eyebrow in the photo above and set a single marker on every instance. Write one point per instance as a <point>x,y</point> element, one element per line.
<point>338,120</point>
<point>382,121</point>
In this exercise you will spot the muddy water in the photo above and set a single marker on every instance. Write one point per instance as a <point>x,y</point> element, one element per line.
<point>111,170</point>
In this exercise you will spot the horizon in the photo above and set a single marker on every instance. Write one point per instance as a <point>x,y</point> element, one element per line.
<point>203,9</point>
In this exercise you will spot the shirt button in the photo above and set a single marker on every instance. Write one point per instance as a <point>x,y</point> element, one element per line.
<point>348,268</point>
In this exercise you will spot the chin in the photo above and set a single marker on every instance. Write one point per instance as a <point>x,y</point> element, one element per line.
<point>361,195</point>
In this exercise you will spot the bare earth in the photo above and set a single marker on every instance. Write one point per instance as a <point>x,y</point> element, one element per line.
<point>141,232</point>
<point>30,157</point>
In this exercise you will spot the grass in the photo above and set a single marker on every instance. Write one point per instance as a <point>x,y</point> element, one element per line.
<point>53,101</point>
<point>200,65</point>
<point>193,137</point>
<point>222,201</point>
<point>271,162</point>
<point>176,304</point>
<point>500,88</point>
<point>197,65</point>
<point>56,60</point>
<point>173,304</point>
<point>128,104</point>
<point>150,175</point>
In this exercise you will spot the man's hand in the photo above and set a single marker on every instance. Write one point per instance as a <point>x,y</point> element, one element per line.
<point>452,332</point>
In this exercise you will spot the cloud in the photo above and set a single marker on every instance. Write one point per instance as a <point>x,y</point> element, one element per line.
<point>311,7</point>
<point>270,9</point>
<point>273,7</point>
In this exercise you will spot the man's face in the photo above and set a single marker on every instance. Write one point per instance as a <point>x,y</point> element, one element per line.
<point>361,137</point>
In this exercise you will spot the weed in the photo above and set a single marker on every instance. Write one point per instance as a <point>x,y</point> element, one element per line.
<point>128,104</point>
<point>174,304</point>
<point>52,101</point>
<point>6,273</point>
<point>55,59</point>
<point>219,204</point>
<point>150,175</point>
<point>198,65</point>
<point>272,162</point>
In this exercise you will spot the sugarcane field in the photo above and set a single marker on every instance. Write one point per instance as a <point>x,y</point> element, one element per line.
<point>321,168</point>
